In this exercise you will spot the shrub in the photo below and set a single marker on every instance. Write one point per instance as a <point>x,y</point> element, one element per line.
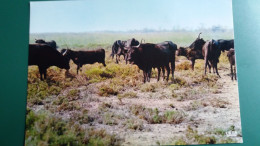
<point>106,90</point>
<point>185,65</point>
<point>180,81</point>
<point>39,91</point>
<point>199,138</point>
<point>149,87</point>
<point>134,124</point>
<point>82,117</point>
<point>109,119</point>
<point>154,116</point>
<point>99,73</point>
<point>219,131</point>
<point>43,129</point>
<point>180,141</point>
<point>173,117</point>
<point>69,106</point>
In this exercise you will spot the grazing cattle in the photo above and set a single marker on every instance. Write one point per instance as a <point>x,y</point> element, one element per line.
<point>232,61</point>
<point>190,54</point>
<point>225,44</point>
<point>51,43</point>
<point>121,47</point>
<point>193,52</point>
<point>211,54</point>
<point>118,50</point>
<point>85,57</point>
<point>148,56</point>
<point>170,48</point>
<point>45,56</point>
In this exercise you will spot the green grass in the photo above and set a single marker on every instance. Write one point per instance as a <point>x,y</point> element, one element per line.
<point>215,136</point>
<point>180,141</point>
<point>106,90</point>
<point>45,129</point>
<point>134,124</point>
<point>154,116</point>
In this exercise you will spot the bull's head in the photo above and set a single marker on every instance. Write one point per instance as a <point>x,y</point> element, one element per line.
<point>142,40</point>
<point>182,51</point>
<point>120,44</point>
<point>40,41</point>
<point>64,52</point>
<point>231,52</point>
<point>132,43</point>
<point>132,55</point>
<point>198,43</point>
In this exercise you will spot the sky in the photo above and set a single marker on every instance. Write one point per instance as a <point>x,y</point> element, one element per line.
<point>126,15</point>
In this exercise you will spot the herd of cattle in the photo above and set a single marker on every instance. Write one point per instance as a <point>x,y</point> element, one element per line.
<point>145,55</point>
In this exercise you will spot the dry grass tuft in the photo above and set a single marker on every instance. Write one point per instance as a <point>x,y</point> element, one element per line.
<point>185,65</point>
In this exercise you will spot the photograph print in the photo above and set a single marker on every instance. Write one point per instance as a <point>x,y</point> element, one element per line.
<point>133,72</point>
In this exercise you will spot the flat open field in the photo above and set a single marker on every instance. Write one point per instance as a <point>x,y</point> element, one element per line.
<point>112,106</point>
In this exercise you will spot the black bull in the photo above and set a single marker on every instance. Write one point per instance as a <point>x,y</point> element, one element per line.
<point>121,47</point>
<point>51,43</point>
<point>148,56</point>
<point>194,51</point>
<point>45,56</point>
<point>225,44</point>
<point>85,57</point>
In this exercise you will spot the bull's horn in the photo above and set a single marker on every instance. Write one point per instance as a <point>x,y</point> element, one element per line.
<point>142,41</point>
<point>199,35</point>
<point>119,44</point>
<point>137,45</point>
<point>65,52</point>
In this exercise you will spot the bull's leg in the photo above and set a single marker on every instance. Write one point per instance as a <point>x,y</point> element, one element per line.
<point>78,67</point>
<point>210,67</point>
<point>163,70</point>
<point>173,68</point>
<point>149,74</point>
<point>192,64</point>
<point>216,68</point>
<point>231,68</point>
<point>159,72</point>
<point>112,55</point>
<point>206,63</point>
<point>44,73</point>
<point>235,72</point>
<point>103,62</point>
<point>116,59</point>
<point>144,73</point>
<point>41,72</point>
<point>126,57</point>
<point>168,72</point>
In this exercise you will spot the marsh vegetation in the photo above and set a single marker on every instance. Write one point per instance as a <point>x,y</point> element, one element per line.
<point>112,106</point>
